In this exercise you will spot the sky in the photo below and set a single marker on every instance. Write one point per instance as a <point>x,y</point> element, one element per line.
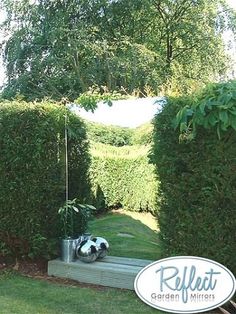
<point>128,113</point>
<point>232,3</point>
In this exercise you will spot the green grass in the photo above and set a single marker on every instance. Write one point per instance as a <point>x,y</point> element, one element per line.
<point>144,244</point>
<point>21,295</point>
<point>135,151</point>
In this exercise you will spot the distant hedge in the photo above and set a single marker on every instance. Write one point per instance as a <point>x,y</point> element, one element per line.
<point>109,134</point>
<point>197,214</point>
<point>119,136</point>
<point>143,134</point>
<point>123,177</point>
<point>32,181</point>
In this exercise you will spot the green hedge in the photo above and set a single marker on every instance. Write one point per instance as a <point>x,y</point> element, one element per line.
<point>109,134</point>
<point>143,134</point>
<point>119,136</point>
<point>123,177</point>
<point>197,214</point>
<point>32,181</point>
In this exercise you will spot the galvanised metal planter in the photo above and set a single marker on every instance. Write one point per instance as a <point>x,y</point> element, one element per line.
<point>68,250</point>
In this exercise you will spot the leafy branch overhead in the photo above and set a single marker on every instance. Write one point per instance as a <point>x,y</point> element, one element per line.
<point>214,108</point>
<point>60,49</point>
<point>89,100</point>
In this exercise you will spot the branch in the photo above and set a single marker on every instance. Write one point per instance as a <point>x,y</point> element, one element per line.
<point>157,5</point>
<point>184,49</point>
<point>107,22</point>
<point>181,10</point>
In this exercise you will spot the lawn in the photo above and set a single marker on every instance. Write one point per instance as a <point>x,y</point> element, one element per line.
<point>128,236</point>
<point>23,295</point>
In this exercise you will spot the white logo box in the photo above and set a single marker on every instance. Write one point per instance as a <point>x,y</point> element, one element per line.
<point>185,284</point>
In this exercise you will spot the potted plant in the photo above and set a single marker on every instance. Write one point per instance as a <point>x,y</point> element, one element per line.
<point>68,212</point>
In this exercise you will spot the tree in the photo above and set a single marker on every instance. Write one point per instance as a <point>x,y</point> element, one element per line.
<point>186,36</point>
<point>49,49</point>
<point>191,39</point>
<point>60,49</point>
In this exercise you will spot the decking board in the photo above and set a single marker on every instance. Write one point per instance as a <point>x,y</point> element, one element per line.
<point>112,271</point>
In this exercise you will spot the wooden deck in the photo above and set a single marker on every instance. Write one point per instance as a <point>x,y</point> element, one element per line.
<point>111,271</point>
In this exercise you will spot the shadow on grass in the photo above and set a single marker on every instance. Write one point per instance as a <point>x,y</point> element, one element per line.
<point>127,236</point>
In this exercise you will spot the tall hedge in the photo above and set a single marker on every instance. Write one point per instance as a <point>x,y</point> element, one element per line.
<point>109,134</point>
<point>142,135</point>
<point>197,213</point>
<point>123,177</point>
<point>32,167</point>
<point>120,136</point>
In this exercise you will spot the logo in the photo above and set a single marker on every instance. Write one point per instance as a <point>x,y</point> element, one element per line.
<point>185,284</point>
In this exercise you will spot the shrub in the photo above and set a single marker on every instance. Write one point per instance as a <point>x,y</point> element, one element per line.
<point>123,177</point>
<point>142,135</point>
<point>32,181</point>
<point>112,135</point>
<point>198,181</point>
<point>119,136</point>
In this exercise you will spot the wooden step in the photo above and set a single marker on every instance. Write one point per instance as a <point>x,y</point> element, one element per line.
<point>111,271</point>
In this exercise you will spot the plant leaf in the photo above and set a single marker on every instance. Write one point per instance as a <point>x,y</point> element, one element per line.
<point>75,209</point>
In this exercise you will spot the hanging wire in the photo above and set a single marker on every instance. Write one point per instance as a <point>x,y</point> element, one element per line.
<point>66,161</point>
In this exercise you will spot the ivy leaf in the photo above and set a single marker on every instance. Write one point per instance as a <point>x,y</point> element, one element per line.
<point>183,126</point>
<point>202,108</point>
<point>189,112</point>
<point>223,116</point>
<point>212,119</point>
<point>233,122</point>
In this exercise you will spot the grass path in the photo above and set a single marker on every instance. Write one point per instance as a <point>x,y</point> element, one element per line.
<point>127,235</point>
<point>146,218</point>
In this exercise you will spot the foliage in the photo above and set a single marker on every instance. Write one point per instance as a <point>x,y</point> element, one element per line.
<point>214,108</point>
<point>88,100</point>
<point>70,212</point>
<point>32,166</point>
<point>198,185</point>
<point>122,177</point>
<point>119,136</point>
<point>143,134</point>
<point>60,49</point>
<point>112,135</point>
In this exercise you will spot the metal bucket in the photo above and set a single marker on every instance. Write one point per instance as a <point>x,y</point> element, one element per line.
<point>68,250</point>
